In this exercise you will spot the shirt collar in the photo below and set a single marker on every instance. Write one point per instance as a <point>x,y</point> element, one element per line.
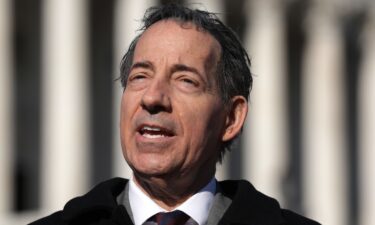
<point>197,206</point>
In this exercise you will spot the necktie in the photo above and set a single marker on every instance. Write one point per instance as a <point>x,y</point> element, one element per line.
<point>176,217</point>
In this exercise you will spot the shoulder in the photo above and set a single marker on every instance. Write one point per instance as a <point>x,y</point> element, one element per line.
<point>98,202</point>
<point>293,218</point>
<point>255,207</point>
<point>53,219</point>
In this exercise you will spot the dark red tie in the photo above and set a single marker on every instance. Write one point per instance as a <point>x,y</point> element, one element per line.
<point>176,217</point>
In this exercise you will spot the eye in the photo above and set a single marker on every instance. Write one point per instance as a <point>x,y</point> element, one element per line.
<point>136,77</point>
<point>189,81</point>
<point>137,81</point>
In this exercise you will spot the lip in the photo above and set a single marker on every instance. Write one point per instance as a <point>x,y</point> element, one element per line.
<point>168,131</point>
<point>141,138</point>
<point>161,138</point>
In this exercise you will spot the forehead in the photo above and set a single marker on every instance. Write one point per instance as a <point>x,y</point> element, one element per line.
<point>174,40</point>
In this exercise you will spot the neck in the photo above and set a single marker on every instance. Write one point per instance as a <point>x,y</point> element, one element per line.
<point>171,191</point>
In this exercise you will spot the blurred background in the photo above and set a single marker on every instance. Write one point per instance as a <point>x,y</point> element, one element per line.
<point>309,140</point>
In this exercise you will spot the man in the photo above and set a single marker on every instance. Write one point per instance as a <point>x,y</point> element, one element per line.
<point>186,82</point>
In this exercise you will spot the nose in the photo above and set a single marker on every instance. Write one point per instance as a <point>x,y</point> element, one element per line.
<point>156,98</point>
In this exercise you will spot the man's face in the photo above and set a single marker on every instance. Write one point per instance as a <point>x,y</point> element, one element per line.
<point>172,116</point>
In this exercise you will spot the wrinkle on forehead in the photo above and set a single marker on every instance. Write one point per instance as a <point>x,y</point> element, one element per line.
<point>191,40</point>
<point>164,27</point>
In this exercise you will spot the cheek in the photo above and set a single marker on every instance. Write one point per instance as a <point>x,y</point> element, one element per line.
<point>129,104</point>
<point>123,116</point>
<point>128,108</point>
<point>204,124</point>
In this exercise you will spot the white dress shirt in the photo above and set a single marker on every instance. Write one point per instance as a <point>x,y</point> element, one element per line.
<point>197,206</point>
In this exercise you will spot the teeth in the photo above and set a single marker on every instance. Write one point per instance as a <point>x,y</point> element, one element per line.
<point>152,132</point>
<point>153,135</point>
<point>151,128</point>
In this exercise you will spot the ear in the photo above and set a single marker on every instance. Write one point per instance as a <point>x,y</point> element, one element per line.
<point>235,118</point>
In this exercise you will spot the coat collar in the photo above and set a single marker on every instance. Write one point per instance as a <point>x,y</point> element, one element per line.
<point>98,204</point>
<point>248,206</point>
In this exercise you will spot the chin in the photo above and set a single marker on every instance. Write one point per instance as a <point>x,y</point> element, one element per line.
<point>158,172</point>
<point>148,168</point>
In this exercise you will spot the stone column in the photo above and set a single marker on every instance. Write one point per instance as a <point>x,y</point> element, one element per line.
<point>265,134</point>
<point>65,102</point>
<point>366,129</point>
<point>324,155</point>
<point>6,106</point>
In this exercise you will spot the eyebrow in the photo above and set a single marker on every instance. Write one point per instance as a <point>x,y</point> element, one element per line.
<point>175,68</point>
<point>183,67</point>
<point>142,64</point>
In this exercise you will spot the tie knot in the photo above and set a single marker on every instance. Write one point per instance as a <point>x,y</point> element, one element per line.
<point>176,217</point>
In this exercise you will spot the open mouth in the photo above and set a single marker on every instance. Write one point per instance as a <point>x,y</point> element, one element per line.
<point>149,131</point>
